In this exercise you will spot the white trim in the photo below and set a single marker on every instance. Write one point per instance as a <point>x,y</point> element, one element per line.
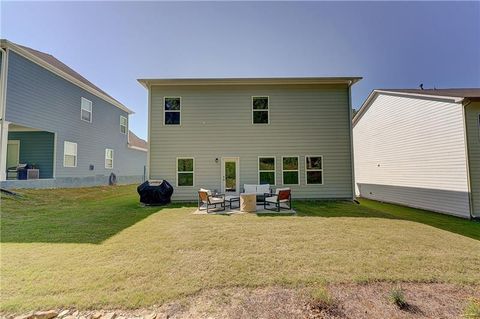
<point>87,101</point>
<point>54,165</point>
<point>274,168</point>
<point>292,170</point>
<point>350,129</point>
<point>177,111</point>
<point>261,110</point>
<point>237,173</point>
<point>76,153</point>
<point>106,158</point>
<point>18,150</point>
<point>26,54</point>
<point>314,170</point>
<point>3,106</point>
<point>126,125</point>
<point>250,81</point>
<point>193,172</point>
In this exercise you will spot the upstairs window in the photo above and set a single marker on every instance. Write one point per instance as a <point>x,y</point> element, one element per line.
<point>86,110</point>
<point>123,124</point>
<point>290,170</point>
<point>185,171</point>
<point>69,154</point>
<point>172,108</point>
<point>266,170</point>
<point>108,158</point>
<point>314,169</point>
<point>260,109</point>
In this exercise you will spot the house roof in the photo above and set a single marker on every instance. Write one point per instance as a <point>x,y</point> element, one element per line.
<point>250,81</point>
<point>136,142</point>
<point>453,92</point>
<point>456,95</point>
<point>56,66</point>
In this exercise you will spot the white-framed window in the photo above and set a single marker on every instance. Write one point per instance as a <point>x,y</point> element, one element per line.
<point>69,154</point>
<point>290,170</point>
<point>266,170</point>
<point>86,110</point>
<point>108,158</point>
<point>314,169</point>
<point>260,110</point>
<point>172,106</point>
<point>123,125</point>
<point>185,171</point>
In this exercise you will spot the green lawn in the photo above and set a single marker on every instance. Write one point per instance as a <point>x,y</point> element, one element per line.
<point>96,247</point>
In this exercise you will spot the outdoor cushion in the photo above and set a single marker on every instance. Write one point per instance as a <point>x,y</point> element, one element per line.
<point>250,189</point>
<point>216,200</point>
<point>262,189</point>
<point>281,189</point>
<point>273,199</point>
<point>209,192</point>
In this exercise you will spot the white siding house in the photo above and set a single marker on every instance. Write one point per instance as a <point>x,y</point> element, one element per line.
<point>411,148</point>
<point>295,132</point>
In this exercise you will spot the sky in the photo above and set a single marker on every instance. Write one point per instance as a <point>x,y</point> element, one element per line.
<point>391,45</point>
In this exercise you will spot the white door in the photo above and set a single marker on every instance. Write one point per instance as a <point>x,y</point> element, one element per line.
<point>230,175</point>
<point>13,153</point>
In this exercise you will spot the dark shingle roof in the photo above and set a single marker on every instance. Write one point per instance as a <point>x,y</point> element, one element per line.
<point>136,141</point>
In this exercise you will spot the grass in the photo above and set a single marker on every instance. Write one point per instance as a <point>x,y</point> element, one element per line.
<point>96,247</point>
<point>397,297</point>
<point>472,309</point>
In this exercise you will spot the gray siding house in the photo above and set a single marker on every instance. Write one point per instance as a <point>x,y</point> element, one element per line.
<point>70,132</point>
<point>221,134</point>
<point>420,148</point>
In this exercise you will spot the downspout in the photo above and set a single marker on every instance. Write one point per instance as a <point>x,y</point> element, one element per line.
<point>351,137</point>
<point>149,126</point>
<point>469,180</point>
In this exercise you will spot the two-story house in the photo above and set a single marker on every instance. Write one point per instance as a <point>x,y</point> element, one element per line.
<point>223,133</point>
<point>67,130</point>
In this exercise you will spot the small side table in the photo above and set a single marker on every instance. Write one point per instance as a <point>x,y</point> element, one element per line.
<point>248,203</point>
<point>232,199</point>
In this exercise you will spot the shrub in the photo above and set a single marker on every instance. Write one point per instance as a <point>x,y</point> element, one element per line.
<point>472,309</point>
<point>397,297</point>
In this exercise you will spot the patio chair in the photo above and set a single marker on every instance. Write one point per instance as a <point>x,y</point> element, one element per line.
<point>205,198</point>
<point>281,196</point>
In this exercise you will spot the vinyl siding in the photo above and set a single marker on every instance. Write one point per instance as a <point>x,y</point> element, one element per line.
<point>39,99</point>
<point>472,112</point>
<point>217,122</point>
<point>36,148</point>
<point>412,152</point>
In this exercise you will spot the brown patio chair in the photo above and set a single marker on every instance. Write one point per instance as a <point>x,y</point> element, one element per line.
<point>206,199</point>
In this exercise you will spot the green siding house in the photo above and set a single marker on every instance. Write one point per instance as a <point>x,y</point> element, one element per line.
<point>221,134</point>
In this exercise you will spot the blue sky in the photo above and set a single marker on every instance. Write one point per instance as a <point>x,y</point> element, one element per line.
<point>392,45</point>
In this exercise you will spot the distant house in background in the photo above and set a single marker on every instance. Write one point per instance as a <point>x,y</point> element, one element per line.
<point>68,131</point>
<point>420,148</point>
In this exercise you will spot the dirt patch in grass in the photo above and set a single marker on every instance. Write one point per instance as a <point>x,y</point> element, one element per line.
<point>345,301</point>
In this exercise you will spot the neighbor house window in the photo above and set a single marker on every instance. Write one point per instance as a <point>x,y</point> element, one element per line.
<point>86,112</point>
<point>290,170</point>
<point>266,170</point>
<point>172,108</point>
<point>185,171</point>
<point>123,125</point>
<point>69,154</point>
<point>314,169</point>
<point>260,110</point>
<point>108,158</point>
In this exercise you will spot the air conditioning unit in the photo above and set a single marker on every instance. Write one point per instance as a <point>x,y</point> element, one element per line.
<point>33,173</point>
